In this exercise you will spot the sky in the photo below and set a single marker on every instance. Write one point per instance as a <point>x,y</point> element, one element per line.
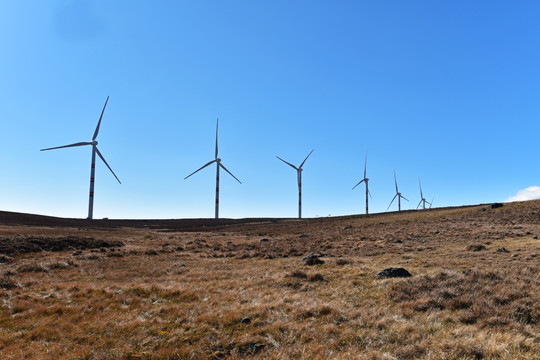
<point>446,92</point>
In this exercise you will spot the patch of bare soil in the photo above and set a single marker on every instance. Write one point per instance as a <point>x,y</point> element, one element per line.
<point>14,245</point>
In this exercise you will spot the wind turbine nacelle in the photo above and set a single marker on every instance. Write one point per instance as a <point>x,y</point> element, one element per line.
<point>94,143</point>
<point>218,159</point>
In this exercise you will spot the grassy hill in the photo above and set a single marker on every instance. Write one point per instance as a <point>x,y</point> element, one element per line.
<point>229,289</point>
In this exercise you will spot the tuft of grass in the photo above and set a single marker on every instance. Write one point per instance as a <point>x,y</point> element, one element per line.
<point>315,277</point>
<point>477,295</point>
<point>34,268</point>
<point>8,284</point>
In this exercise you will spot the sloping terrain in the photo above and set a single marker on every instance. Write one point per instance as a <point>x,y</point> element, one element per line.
<point>206,289</point>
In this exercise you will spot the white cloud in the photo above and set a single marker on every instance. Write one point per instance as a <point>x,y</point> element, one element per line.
<point>530,193</point>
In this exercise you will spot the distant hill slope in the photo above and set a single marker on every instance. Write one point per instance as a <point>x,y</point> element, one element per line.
<point>528,212</point>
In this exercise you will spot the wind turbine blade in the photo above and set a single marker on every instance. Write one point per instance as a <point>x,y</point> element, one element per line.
<point>302,164</point>
<point>420,184</point>
<point>419,204</point>
<point>394,198</point>
<point>403,197</point>
<point>431,203</point>
<point>369,192</point>
<point>291,165</point>
<point>217,123</point>
<point>395,181</point>
<point>70,145</point>
<point>102,158</point>
<point>365,166</point>
<point>230,173</point>
<point>202,167</point>
<point>361,181</point>
<point>99,122</point>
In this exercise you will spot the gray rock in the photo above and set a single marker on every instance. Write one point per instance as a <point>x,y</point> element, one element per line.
<point>393,273</point>
<point>312,259</point>
<point>502,250</point>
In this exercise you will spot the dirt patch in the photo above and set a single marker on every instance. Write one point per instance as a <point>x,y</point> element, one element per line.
<point>21,245</point>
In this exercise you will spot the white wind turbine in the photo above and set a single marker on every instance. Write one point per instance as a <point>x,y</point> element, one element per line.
<point>398,195</point>
<point>299,175</point>
<point>365,180</point>
<point>218,165</point>
<point>95,151</point>
<point>423,200</point>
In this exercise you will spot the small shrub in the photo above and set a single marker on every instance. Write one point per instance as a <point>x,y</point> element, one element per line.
<point>522,313</point>
<point>341,262</point>
<point>298,274</point>
<point>476,247</point>
<point>315,277</point>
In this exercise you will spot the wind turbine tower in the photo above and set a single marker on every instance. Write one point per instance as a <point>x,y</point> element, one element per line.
<point>398,195</point>
<point>95,151</point>
<point>423,200</point>
<point>299,175</point>
<point>216,160</point>
<point>365,180</point>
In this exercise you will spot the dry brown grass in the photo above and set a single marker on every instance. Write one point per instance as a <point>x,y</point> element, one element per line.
<point>221,293</point>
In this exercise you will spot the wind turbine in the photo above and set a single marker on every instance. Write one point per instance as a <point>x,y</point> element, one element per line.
<point>218,165</point>
<point>422,199</point>
<point>95,151</point>
<point>398,195</point>
<point>366,180</point>
<point>299,175</point>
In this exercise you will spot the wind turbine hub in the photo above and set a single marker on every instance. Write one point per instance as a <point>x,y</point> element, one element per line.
<point>94,142</point>
<point>218,160</point>
<point>366,179</point>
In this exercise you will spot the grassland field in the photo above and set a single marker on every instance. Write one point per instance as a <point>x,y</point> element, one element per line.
<point>234,289</point>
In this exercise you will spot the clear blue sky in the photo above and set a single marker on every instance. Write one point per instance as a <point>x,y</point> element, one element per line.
<point>445,91</point>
